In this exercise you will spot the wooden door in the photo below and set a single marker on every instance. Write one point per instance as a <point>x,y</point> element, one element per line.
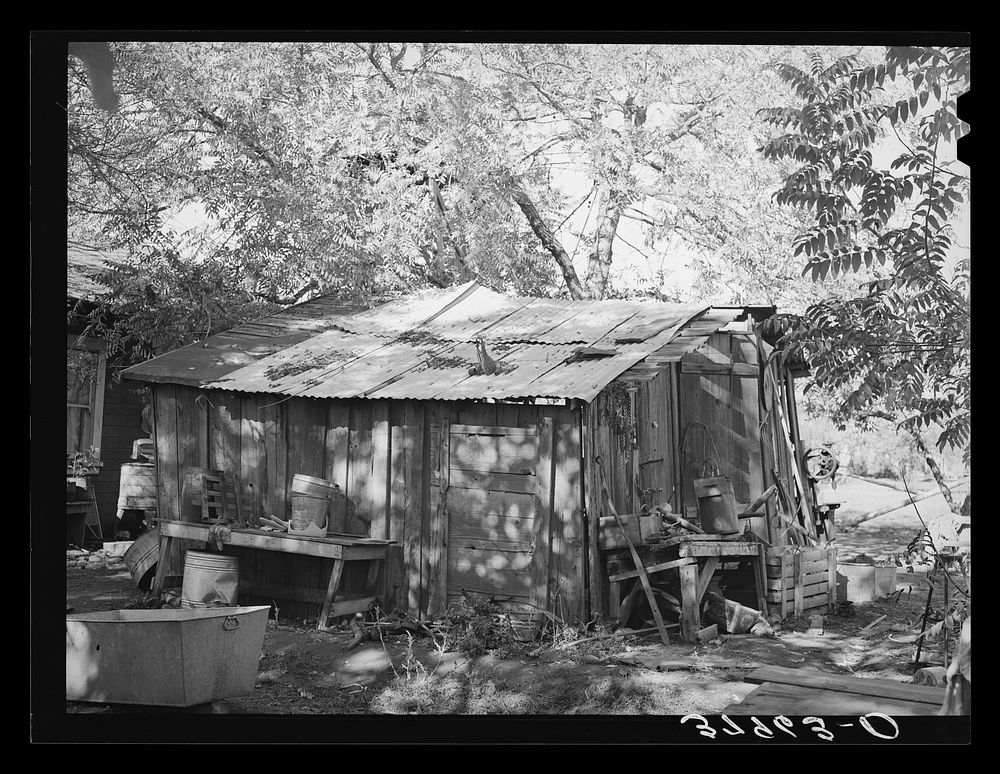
<point>493,513</point>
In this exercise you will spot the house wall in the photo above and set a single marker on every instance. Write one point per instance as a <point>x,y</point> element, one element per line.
<point>121,427</point>
<point>392,460</point>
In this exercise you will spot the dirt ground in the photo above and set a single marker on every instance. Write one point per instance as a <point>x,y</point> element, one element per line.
<point>304,671</point>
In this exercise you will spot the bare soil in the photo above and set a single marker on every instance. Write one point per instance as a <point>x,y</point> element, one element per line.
<point>304,671</point>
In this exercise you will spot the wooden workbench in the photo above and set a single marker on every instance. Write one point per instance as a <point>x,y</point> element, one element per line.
<point>340,549</point>
<point>699,556</point>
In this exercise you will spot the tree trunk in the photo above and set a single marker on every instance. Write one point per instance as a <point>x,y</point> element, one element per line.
<point>548,239</point>
<point>935,470</point>
<point>599,265</point>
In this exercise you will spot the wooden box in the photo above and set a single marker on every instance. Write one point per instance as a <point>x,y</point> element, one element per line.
<point>800,581</point>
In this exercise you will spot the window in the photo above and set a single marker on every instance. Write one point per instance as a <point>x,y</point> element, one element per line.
<point>85,366</point>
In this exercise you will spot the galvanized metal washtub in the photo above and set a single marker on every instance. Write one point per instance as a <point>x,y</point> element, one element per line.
<point>174,658</point>
<point>209,579</point>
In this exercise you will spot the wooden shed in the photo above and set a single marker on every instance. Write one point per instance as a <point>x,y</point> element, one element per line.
<point>472,428</point>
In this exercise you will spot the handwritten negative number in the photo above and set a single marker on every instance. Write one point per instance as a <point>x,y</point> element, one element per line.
<point>867,726</point>
<point>821,730</point>
<point>703,728</point>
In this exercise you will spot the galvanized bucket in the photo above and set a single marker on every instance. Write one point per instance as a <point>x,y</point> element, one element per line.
<point>209,579</point>
<point>141,558</point>
<point>312,486</point>
<point>310,515</point>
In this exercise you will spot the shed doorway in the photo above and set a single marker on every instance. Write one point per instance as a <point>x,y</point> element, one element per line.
<point>493,514</point>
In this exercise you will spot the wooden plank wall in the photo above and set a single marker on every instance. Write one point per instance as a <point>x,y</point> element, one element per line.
<point>722,396</point>
<point>390,459</point>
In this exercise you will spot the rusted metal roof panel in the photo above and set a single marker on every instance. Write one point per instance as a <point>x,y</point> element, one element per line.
<point>423,347</point>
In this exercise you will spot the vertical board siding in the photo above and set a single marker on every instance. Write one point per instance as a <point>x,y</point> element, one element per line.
<point>306,449</point>
<point>165,418</point>
<point>437,516</point>
<point>359,468</point>
<point>727,404</point>
<point>566,564</point>
<point>653,420</point>
<point>167,490</point>
<point>225,429</point>
<point>337,456</point>
<point>541,591</point>
<point>378,476</point>
<point>405,501</point>
<point>253,459</point>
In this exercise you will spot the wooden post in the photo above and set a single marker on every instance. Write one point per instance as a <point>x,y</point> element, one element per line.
<point>831,563</point>
<point>797,575</point>
<point>331,590</point>
<point>760,578</point>
<point>705,576</point>
<point>614,607</point>
<point>786,565</point>
<point>690,617</point>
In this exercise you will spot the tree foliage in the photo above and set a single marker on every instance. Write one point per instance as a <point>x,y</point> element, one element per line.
<point>370,168</point>
<point>901,346</point>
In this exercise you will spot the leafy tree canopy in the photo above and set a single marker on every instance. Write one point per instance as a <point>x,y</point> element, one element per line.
<point>898,347</point>
<point>366,169</point>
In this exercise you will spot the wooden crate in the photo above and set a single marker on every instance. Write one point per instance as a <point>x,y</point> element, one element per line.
<point>800,581</point>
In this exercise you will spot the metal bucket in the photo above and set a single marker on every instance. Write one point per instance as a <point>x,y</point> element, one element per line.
<point>142,557</point>
<point>137,489</point>
<point>312,486</point>
<point>716,505</point>
<point>209,579</point>
<point>310,515</point>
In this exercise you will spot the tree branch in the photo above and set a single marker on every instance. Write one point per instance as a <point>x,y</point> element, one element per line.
<point>548,239</point>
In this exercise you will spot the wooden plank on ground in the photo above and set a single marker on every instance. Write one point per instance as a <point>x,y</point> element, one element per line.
<point>781,699</point>
<point>812,678</point>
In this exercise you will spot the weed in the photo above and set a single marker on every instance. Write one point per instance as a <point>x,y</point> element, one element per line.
<point>482,628</point>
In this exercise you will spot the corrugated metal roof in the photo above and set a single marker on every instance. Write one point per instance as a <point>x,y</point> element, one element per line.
<point>82,262</point>
<point>423,346</point>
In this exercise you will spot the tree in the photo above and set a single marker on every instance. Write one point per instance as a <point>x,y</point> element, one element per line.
<point>364,169</point>
<point>899,349</point>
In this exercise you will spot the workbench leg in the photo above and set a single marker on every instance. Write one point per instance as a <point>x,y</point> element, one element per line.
<point>705,576</point>
<point>375,567</point>
<point>760,578</point>
<point>690,616</point>
<point>331,590</point>
<point>616,599</point>
<point>162,559</point>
